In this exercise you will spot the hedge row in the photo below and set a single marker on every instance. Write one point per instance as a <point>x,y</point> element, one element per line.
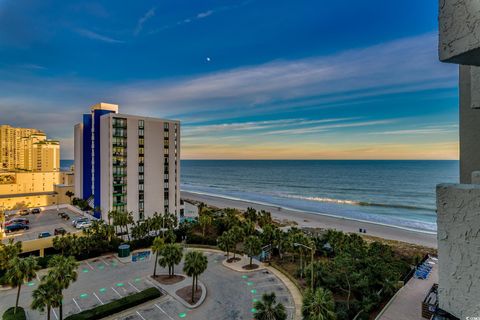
<point>117,305</point>
<point>9,315</point>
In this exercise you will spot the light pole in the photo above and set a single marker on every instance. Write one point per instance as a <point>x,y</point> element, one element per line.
<point>312,250</point>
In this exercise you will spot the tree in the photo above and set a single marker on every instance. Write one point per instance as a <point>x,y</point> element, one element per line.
<point>205,220</point>
<point>226,242</point>
<point>195,264</point>
<point>251,214</point>
<point>318,305</point>
<point>63,272</point>
<point>249,227</point>
<point>158,244</point>
<point>269,309</point>
<point>253,247</point>
<point>171,255</point>
<point>237,234</point>
<point>8,252</point>
<point>69,194</point>
<point>21,270</point>
<point>47,295</point>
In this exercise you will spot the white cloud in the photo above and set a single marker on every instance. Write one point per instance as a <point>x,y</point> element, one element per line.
<point>96,36</point>
<point>405,65</point>
<point>205,14</point>
<point>149,14</point>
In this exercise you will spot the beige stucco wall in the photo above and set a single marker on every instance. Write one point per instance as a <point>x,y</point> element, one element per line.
<point>29,182</point>
<point>459,248</point>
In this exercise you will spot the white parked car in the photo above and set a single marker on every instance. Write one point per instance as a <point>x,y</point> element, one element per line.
<point>77,220</point>
<point>83,224</point>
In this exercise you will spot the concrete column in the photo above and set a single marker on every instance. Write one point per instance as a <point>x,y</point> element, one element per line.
<point>469,125</point>
<point>459,248</point>
<point>42,252</point>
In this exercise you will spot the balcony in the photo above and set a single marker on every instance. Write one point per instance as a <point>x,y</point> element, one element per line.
<point>120,164</point>
<point>119,174</point>
<point>119,144</point>
<point>121,125</point>
<point>119,134</point>
<point>118,204</point>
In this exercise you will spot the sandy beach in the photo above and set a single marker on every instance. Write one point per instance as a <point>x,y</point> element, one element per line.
<point>306,219</point>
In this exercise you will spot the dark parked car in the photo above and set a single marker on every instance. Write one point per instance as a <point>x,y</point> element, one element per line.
<point>35,211</point>
<point>44,234</point>
<point>64,216</point>
<point>59,231</point>
<point>15,227</point>
<point>17,220</point>
<point>23,212</point>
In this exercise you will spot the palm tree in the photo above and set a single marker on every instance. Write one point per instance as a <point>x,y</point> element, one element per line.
<point>171,255</point>
<point>226,242</point>
<point>21,270</point>
<point>205,220</point>
<point>195,264</point>
<point>237,234</point>
<point>158,244</point>
<point>47,295</point>
<point>318,305</point>
<point>269,309</point>
<point>253,246</point>
<point>63,272</point>
<point>8,252</point>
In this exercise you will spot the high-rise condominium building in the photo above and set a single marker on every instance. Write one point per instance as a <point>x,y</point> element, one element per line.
<point>27,149</point>
<point>127,163</point>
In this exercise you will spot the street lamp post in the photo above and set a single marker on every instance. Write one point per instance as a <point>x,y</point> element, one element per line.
<point>312,250</point>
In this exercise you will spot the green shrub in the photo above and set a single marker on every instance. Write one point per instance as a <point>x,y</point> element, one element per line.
<point>117,305</point>
<point>9,315</point>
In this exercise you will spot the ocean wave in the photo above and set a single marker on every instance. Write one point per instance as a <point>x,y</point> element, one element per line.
<point>359,203</point>
<point>409,225</point>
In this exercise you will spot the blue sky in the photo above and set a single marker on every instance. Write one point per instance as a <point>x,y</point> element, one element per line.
<point>248,79</point>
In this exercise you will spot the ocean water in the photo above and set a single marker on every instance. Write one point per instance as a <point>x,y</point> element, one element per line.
<point>395,193</point>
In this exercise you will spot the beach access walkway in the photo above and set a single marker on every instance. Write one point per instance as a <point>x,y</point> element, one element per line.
<point>407,302</point>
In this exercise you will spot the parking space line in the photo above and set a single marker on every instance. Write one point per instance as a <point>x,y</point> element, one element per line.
<point>134,287</point>
<point>116,292</point>
<point>89,265</point>
<point>156,305</point>
<point>97,298</point>
<point>54,313</point>
<point>269,285</point>
<point>104,261</point>
<point>77,304</point>
<point>141,316</point>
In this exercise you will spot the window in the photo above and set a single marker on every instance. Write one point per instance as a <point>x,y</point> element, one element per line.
<point>165,126</point>
<point>141,124</point>
<point>140,187</point>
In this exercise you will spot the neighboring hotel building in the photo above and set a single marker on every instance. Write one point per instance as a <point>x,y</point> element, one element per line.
<point>30,170</point>
<point>127,163</point>
<point>27,149</point>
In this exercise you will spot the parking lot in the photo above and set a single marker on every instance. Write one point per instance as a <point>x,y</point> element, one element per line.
<point>45,221</point>
<point>230,294</point>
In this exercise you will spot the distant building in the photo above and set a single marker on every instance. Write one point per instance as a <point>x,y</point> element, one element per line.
<point>28,150</point>
<point>127,163</point>
<point>19,190</point>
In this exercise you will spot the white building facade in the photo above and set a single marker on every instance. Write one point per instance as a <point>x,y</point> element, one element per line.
<point>139,165</point>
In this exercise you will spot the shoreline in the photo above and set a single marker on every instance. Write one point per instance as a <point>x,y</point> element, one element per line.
<point>321,220</point>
